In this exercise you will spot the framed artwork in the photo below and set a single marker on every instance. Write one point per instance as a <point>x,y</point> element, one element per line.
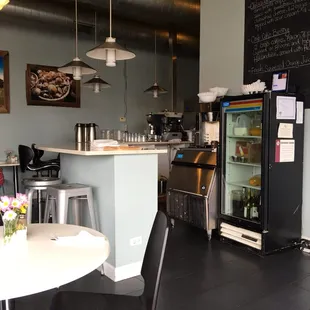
<point>4,82</point>
<point>46,86</point>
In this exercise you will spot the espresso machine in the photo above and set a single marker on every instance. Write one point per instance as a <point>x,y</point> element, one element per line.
<point>165,125</point>
<point>204,117</point>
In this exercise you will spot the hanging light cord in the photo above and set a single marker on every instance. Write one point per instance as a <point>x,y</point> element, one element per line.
<point>95,28</point>
<point>76,29</point>
<point>155,57</point>
<point>96,36</point>
<point>125,90</point>
<point>110,18</point>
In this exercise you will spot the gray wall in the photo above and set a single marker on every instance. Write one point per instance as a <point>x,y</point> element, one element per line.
<point>54,125</point>
<point>221,64</point>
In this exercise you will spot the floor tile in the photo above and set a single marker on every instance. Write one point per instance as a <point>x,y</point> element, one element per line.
<point>198,274</point>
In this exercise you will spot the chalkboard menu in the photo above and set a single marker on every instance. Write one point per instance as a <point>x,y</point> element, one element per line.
<point>277,37</point>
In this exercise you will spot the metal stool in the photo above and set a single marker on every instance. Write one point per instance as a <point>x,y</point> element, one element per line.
<point>61,194</point>
<point>39,185</point>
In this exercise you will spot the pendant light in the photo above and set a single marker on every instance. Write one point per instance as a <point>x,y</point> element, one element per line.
<point>3,3</point>
<point>77,67</point>
<point>155,89</point>
<point>110,51</point>
<point>96,83</point>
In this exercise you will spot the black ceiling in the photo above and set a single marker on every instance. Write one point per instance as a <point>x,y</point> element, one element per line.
<point>134,21</point>
<point>179,15</point>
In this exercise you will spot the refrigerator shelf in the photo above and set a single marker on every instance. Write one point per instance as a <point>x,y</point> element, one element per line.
<point>244,184</point>
<point>244,137</point>
<point>244,164</point>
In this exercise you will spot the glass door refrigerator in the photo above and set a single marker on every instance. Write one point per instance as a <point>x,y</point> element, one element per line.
<point>261,171</point>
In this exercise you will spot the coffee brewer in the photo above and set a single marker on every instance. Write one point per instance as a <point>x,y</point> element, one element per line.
<point>167,125</point>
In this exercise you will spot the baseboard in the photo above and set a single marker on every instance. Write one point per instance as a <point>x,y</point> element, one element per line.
<point>123,272</point>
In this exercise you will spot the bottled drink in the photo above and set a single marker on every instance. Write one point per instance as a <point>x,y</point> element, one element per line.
<point>243,201</point>
<point>254,211</point>
<point>247,206</point>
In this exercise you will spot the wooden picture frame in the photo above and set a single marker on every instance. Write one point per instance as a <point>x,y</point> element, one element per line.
<point>46,86</point>
<point>4,82</point>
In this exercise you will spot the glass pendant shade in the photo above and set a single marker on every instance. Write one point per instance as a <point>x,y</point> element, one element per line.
<point>110,51</point>
<point>97,84</point>
<point>77,68</point>
<point>156,90</point>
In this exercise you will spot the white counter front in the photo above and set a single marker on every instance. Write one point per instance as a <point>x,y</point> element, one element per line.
<point>125,194</point>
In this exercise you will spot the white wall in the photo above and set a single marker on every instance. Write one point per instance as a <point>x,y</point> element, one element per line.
<point>55,125</point>
<point>221,44</point>
<point>221,64</point>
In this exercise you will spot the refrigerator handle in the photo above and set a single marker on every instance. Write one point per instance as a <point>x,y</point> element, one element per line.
<point>218,156</point>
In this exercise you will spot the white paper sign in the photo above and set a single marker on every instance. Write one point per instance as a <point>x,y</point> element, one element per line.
<point>286,107</point>
<point>285,131</point>
<point>285,151</point>
<point>300,112</point>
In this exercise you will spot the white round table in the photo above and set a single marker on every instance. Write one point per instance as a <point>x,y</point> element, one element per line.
<point>42,264</point>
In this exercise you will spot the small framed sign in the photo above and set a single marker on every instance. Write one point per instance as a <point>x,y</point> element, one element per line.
<point>4,82</point>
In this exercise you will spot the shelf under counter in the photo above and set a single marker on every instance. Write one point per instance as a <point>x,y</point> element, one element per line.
<point>244,164</point>
<point>244,184</point>
<point>158,143</point>
<point>244,137</point>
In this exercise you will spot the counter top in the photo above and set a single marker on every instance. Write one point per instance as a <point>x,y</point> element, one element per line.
<point>85,150</point>
<point>159,143</point>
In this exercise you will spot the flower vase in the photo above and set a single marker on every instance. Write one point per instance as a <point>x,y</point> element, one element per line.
<point>15,230</point>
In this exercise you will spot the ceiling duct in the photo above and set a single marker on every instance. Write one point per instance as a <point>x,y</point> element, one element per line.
<point>184,14</point>
<point>134,34</point>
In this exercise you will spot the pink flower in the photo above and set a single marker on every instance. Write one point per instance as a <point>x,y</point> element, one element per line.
<point>5,203</point>
<point>22,198</point>
<point>16,203</point>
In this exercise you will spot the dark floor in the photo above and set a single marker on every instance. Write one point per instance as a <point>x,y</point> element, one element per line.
<point>204,275</point>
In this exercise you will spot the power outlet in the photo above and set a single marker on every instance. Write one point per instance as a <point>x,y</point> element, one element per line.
<point>135,241</point>
<point>122,119</point>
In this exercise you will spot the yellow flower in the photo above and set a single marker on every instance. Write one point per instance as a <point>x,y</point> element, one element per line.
<point>23,210</point>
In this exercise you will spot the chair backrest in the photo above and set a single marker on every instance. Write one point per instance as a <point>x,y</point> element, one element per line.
<point>37,153</point>
<point>153,260</point>
<point>26,155</point>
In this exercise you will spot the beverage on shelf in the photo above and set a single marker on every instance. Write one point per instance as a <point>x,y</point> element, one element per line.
<point>254,208</point>
<point>237,202</point>
<point>247,206</point>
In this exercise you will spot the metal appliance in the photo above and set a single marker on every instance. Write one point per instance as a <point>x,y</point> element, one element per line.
<point>168,125</point>
<point>85,133</point>
<point>192,189</point>
<point>92,132</point>
<point>79,129</point>
<point>205,118</point>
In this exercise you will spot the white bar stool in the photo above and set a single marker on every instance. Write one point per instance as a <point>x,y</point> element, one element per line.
<point>38,184</point>
<point>59,208</point>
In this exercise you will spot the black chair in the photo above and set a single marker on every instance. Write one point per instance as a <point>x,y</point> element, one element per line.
<point>37,161</point>
<point>27,155</point>
<point>37,154</point>
<point>151,272</point>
